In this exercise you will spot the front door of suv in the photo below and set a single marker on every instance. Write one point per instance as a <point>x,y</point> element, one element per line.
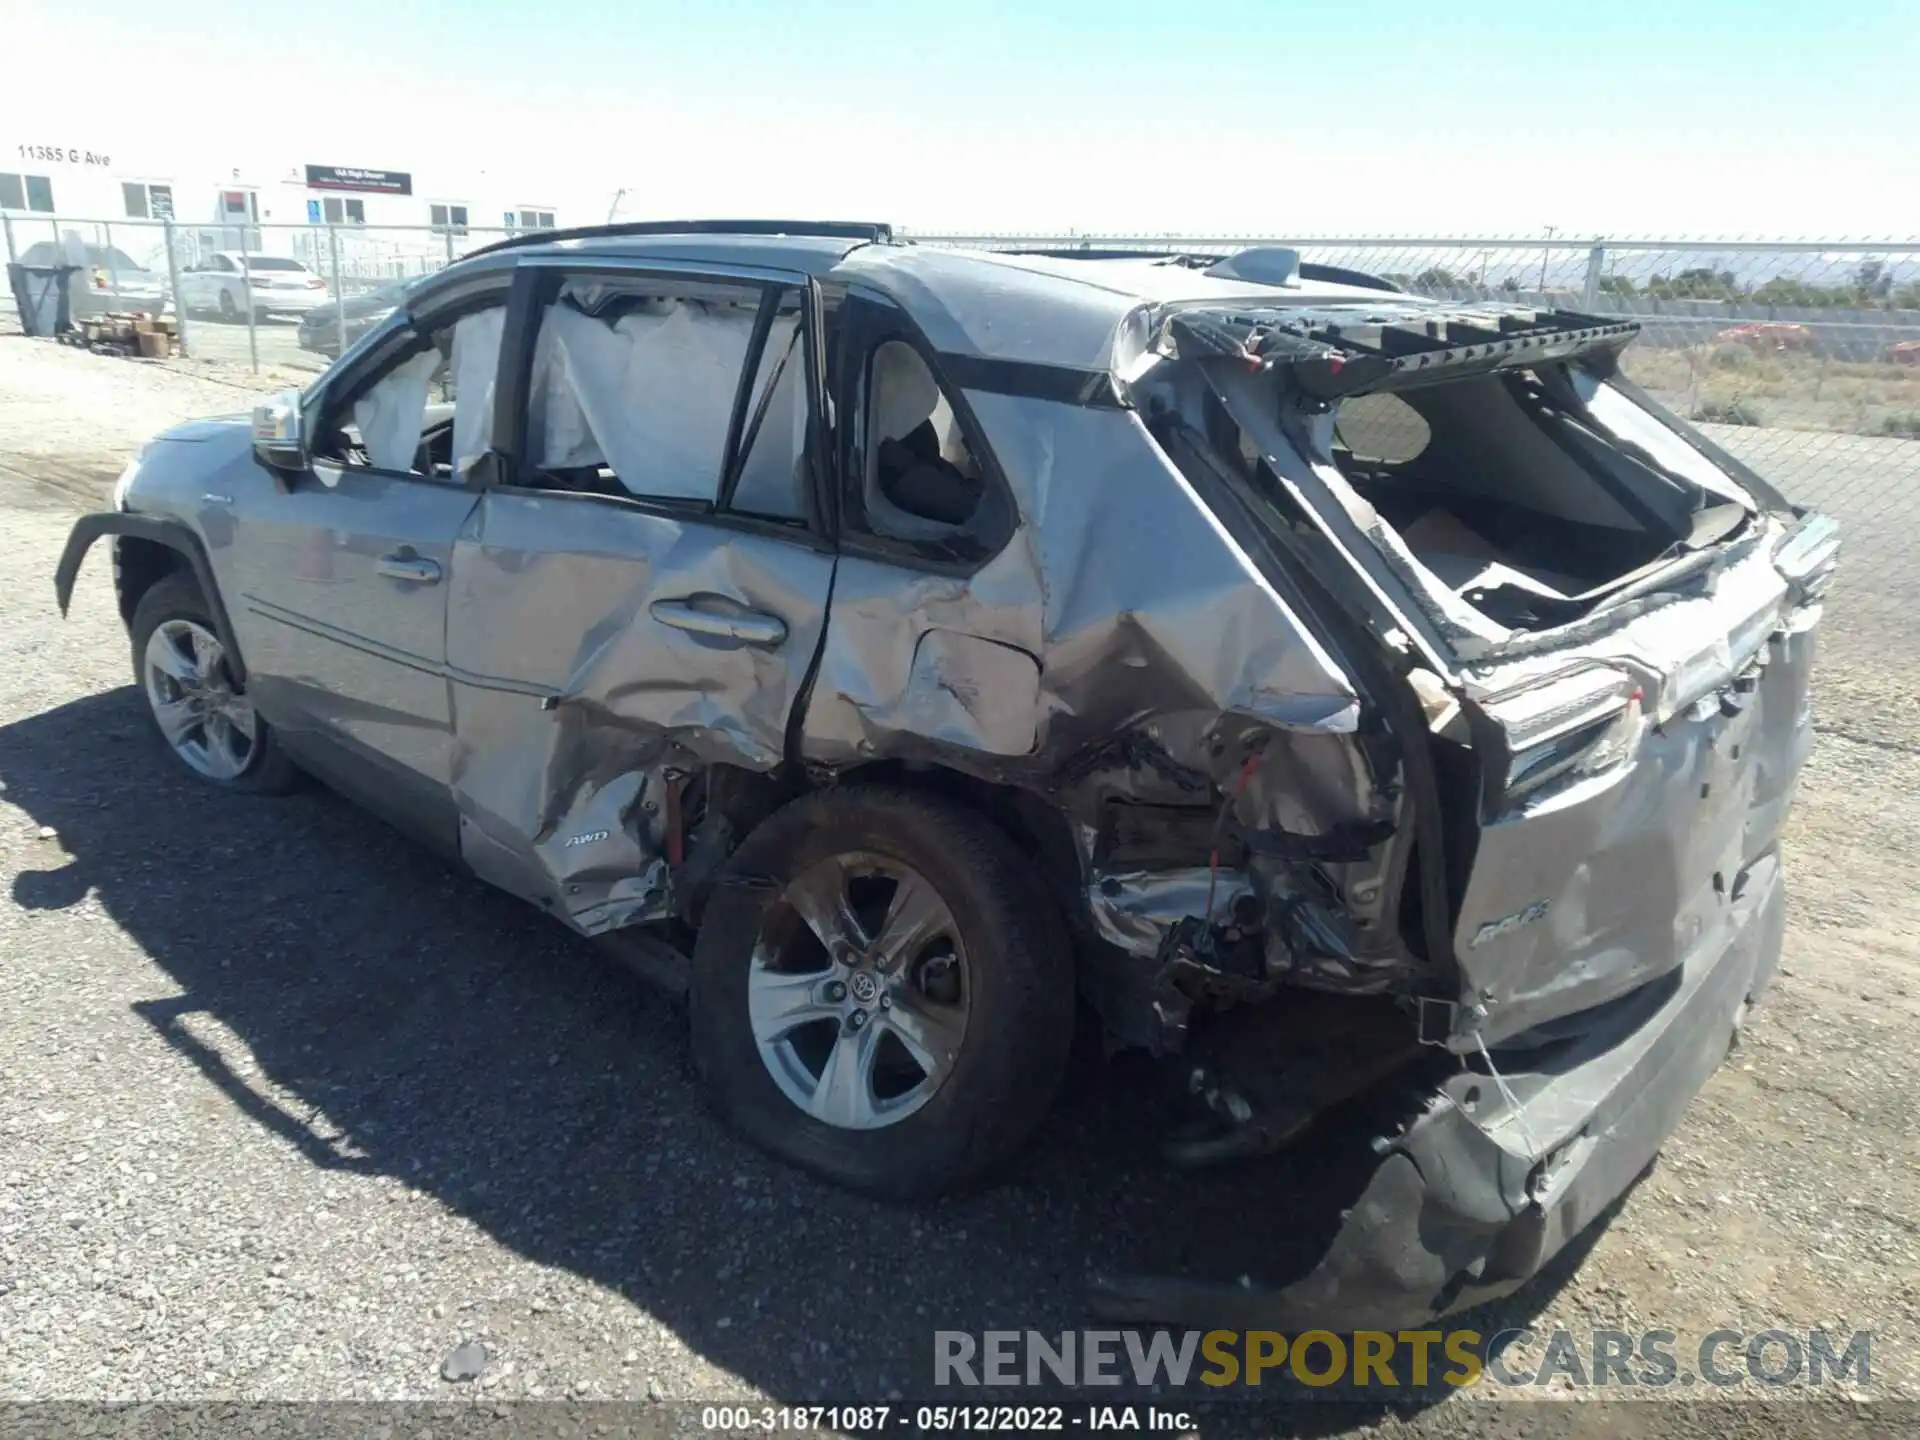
<point>340,572</point>
<point>641,592</point>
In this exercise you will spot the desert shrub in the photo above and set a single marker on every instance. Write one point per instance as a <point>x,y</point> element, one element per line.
<point>1731,356</point>
<point>1901,424</point>
<point>1729,412</point>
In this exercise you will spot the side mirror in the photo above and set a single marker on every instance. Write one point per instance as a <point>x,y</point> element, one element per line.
<point>278,440</point>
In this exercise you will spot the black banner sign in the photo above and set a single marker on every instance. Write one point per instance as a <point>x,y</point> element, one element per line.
<point>349,177</point>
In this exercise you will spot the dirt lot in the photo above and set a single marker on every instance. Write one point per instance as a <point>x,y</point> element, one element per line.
<point>288,1108</point>
<point>1797,391</point>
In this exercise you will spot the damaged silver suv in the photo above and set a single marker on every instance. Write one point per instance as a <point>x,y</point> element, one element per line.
<point>1324,684</point>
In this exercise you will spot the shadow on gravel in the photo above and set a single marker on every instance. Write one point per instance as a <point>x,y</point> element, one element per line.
<point>463,1042</point>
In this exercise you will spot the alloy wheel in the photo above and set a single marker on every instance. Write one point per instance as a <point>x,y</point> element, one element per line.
<point>858,991</point>
<point>207,721</point>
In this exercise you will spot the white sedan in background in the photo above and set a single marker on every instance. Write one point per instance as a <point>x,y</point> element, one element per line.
<point>228,281</point>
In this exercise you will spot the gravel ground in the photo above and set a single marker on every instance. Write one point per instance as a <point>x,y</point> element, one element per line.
<point>289,1108</point>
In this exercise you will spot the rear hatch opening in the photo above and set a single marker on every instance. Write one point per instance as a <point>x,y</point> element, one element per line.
<point>1505,476</point>
<point>1513,505</point>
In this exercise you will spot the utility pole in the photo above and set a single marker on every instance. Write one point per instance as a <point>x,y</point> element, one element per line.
<point>612,209</point>
<point>1544,250</point>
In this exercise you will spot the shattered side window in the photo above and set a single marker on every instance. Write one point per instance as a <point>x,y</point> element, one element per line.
<point>773,476</point>
<point>633,387</point>
<point>921,481</point>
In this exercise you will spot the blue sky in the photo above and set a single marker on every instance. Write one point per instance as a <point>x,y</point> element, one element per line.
<point>1690,116</point>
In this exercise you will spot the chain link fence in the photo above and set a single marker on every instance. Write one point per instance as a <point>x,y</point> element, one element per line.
<point>270,298</point>
<point>1802,358</point>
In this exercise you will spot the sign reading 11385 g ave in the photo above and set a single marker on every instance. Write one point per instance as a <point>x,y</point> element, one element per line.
<point>62,154</point>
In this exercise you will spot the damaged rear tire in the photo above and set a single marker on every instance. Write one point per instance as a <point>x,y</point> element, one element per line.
<point>882,993</point>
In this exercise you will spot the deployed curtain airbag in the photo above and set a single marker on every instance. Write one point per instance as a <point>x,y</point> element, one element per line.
<point>649,393</point>
<point>476,367</point>
<point>391,415</point>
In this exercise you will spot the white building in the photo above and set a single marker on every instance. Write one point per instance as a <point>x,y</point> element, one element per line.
<point>56,179</point>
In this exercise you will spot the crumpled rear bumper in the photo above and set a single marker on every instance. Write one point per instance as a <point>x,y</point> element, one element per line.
<point>1469,1203</point>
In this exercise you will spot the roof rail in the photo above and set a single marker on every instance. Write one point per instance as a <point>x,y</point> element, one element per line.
<point>868,232</point>
<point>1201,259</point>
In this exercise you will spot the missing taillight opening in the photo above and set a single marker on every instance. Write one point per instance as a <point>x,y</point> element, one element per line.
<point>1575,721</point>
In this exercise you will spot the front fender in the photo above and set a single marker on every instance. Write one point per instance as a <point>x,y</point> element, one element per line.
<point>173,534</point>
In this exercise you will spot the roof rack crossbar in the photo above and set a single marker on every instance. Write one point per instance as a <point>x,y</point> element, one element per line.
<point>1342,275</point>
<point>1201,259</point>
<point>868,232</point>
<point>1190,259</point>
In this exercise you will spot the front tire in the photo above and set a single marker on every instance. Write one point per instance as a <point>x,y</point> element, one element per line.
<point>203,716</point>
<point>882,993</point>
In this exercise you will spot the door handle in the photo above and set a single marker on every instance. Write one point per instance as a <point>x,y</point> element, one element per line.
<point>410,567</point>
<point>751,627</point>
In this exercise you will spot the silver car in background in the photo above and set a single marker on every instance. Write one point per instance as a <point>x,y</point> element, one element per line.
<point>1334,689</point>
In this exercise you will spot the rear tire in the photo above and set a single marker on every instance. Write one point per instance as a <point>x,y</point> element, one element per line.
<point>967,977</point>
<point>201,715</point>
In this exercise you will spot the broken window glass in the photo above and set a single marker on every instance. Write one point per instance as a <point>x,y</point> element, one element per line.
<point>773,477</point>
<point>921,480</point>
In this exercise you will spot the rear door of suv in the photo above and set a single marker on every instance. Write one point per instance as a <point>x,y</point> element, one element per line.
<point>640,594</point>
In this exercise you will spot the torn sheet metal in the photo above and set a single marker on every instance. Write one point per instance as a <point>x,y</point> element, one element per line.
<point>1582,895</point>
<point>1145,644</point>
<point>474,371</point>
<point>1472,1195</point>
<point>1046,310</point>
<point>1135,909</point>
<point>606,853</point>
<point>1128,594</point>
<point>971,693</point>
<point>568,686</point>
